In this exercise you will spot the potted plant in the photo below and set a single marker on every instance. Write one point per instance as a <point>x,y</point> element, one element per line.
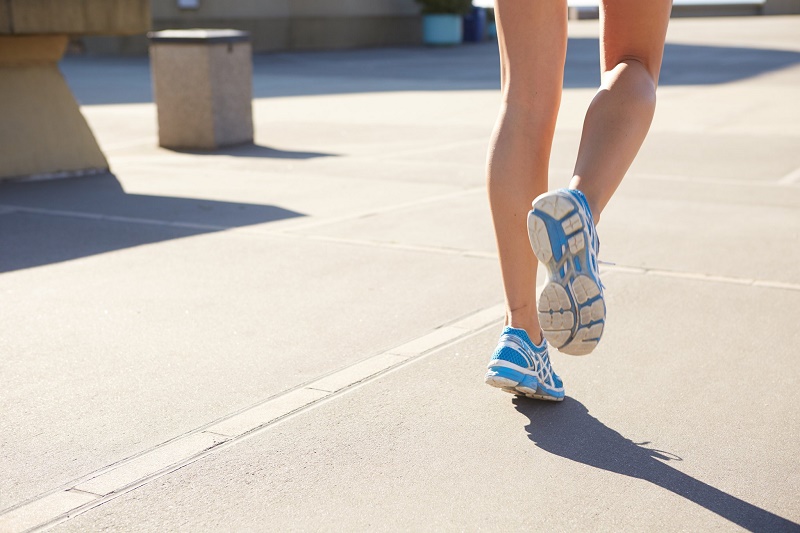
<point>442,20</point>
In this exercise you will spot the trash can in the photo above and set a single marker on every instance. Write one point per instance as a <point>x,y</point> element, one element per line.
<point>203,87</point>
<point>475,25</point>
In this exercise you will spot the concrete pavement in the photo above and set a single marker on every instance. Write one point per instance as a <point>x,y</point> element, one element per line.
<point>293,335</point>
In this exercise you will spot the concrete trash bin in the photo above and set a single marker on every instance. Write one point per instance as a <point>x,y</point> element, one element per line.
<point>203,85</point>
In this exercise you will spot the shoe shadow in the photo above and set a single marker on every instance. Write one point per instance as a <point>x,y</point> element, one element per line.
<point>569,431</point>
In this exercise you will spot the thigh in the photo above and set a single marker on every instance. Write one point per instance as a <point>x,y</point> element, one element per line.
<point>533,46</point>
<point>633,30</point>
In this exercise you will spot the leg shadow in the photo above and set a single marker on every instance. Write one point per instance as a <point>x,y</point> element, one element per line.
<point>569,431</point>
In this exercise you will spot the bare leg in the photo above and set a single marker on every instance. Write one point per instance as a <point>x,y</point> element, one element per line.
<point>631,47</point>
<point>533,43</point>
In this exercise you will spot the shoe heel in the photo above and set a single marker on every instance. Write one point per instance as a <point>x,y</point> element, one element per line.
<point>507,378</point>
<point>539,238</point>
<point>502,377</point>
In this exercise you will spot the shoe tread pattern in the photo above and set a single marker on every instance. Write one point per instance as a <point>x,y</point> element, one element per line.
<point>518,389</point>
<point>571,306</point>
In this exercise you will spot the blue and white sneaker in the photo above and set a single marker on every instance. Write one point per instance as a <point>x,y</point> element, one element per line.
<point>572,311</point>
<point>520,367</point>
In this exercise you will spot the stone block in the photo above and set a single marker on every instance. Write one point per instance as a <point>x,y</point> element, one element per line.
<point>203,86</point>
<point>43,131</point>
<point>31,49</point>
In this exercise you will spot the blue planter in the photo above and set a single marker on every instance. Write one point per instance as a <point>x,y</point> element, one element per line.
<point>475,25</point>
<point>442,29</point>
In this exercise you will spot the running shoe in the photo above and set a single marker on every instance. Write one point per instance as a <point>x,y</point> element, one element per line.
<point>520,367</point>
<point>572,311</point>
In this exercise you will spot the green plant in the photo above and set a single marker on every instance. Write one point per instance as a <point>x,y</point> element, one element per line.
<point>438,7</point>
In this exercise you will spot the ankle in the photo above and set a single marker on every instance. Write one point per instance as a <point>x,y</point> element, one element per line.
<point>595,209</point>
<point>534,331</point>
<point>591,200</point>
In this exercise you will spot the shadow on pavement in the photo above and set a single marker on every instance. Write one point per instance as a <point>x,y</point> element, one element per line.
<point>467,67</point>
<point>52,221</point>
<point>477,67</point>
<point>569,431</point>
<point>683,64</point>
<point>257,150</point>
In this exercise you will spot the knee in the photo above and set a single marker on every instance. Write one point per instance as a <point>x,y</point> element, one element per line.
<point>531,100</point>
<point>531,105</point>
<point>526,91</point>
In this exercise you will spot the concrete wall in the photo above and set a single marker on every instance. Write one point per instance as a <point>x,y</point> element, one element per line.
<point>781,7</point>
<point>769,7</point>
<point>733,10</point>
<point>324,24</point>
<point>286,24</point>
<point>86,17</point>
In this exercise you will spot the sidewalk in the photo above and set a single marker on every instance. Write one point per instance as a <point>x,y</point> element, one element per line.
<point>293,335</point>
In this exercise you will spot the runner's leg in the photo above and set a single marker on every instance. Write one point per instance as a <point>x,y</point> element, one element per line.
<point>632,37</point>
<point>533,41</point>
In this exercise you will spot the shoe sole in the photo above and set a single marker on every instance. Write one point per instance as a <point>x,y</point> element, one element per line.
<point>572,312</point>
<point>509,380</point>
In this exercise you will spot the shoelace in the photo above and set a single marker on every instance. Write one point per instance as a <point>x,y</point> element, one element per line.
<point>595,245</point>
<point>595,238</point>
<point>541,361</point>
<point>547,370</point>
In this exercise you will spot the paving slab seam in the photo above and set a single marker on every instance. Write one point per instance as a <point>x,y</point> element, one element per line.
<point>113,218</point>
<point>428,149</point>
<point>292,233</point>
<point>123,145</point>
<point>699,276</point>
<point>789,179</point>
<point>248,434</point>
<point>724,182</point>
<point>479,254</point>
<point>105,484</point>
<point>10,208</point>
<point>388,209</point>
<point>443,250</point>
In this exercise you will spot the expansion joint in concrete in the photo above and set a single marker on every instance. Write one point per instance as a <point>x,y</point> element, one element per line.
<point>110,482</point>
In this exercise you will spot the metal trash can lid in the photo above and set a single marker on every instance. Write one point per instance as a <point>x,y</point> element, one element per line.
<point>198,36</point>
